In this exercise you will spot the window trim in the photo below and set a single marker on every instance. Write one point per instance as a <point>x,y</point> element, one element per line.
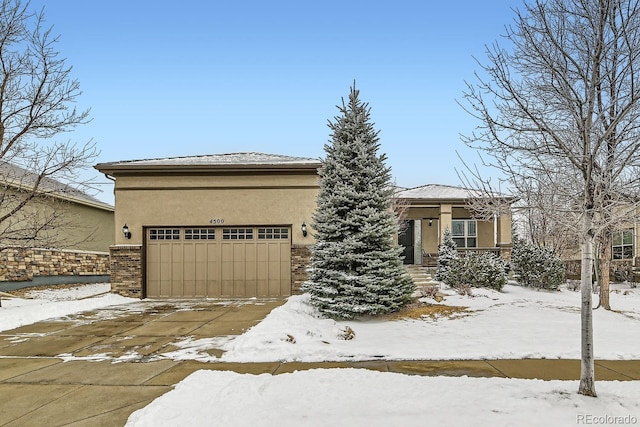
<point>237,233</point>
<point>199,233</point>
<point>273,233</point>
<point>466,236</point>
<point>622,254</point>
<point>164,233</point>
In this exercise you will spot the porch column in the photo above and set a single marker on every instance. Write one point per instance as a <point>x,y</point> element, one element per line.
<point>504,230</point>
<point>417,245</point>
<point>445,219</point>
<point>504,235</point>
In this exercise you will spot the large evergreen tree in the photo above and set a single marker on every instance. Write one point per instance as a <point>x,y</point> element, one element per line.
<point>356,268</point>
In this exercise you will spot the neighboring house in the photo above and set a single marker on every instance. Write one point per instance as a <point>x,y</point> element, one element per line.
<point>430,209</point>
<point>625,252</point>
<point>238,225</point>
<point>75,240</point>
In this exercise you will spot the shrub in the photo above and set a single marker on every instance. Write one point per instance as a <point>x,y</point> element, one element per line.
<point>446,253</point>
<point>478,270</point>
<point>536,267</point>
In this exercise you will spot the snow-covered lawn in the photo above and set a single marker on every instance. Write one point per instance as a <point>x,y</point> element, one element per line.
<point>515,323</point>
<point>56,302</point>
<point>354,397</point>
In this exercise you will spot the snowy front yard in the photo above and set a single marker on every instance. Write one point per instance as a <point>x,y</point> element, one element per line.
<point>515,323</point>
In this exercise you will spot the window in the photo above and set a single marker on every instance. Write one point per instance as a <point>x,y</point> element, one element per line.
<point>164,234</point>
<point>273,233</point>
<point>464,233</point>
<point>237,233</point>
<point>200,234</point>
<point>622,244</point>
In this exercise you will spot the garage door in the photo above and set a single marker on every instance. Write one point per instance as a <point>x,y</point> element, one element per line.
<point>192,262</point>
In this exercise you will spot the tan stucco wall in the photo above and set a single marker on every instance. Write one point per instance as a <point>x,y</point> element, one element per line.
<point>78,226</point>
<point>95,226</point>
<point>194,200</point>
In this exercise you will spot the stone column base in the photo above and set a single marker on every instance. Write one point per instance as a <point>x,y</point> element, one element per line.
<point>300,263</point>
<point>126,270</point>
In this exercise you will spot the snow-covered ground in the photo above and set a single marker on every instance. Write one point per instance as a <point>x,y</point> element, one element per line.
<point>354,397</point>
<point>56,302</point>
<point>515,323</point>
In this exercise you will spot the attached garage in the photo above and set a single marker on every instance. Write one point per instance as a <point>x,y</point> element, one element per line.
<point>218,261</point>
<point>222,225</point>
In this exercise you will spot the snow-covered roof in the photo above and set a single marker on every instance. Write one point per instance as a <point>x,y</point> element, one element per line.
<point>228,160</point>
<point>441,192</point>
<point>17,177</point>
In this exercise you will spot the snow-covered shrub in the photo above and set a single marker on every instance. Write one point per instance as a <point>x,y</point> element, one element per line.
<point>573,285</point>
<point>446,253</point>
<point>536,267</point>
<point>429,291</point>
<point>478,270</point>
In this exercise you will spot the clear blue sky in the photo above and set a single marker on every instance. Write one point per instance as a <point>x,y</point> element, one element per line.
<point>167,78</point>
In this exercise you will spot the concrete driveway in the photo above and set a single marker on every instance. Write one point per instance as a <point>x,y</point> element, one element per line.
<point>62,371</point>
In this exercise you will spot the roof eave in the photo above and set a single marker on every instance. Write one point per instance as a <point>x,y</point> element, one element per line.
<point>66,197</point>
<point>111,168</point>
<point>412,200</point>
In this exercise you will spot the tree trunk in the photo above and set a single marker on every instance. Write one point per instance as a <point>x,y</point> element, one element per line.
<point>605,266</point>
<point>587,373</point>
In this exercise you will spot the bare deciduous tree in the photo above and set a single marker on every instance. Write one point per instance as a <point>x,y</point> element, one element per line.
<point>559,105</point>
<point>37,97</point>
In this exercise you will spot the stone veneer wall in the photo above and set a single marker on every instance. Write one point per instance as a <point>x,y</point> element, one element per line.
<point>126,270</point>
<point>573,269</point>
<point>25,264</point>
<point>300,262</point>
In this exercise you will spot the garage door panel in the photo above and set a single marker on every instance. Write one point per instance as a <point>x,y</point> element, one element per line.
<point>274,252</point>
<point>226,250</point>
<point>249,253</point>
<point>238,270</point>
<point>274,287</point>
<point>239,288</point>
<point>262,251</point>
<point>250,288</point>
<point>247,262</point>
<point>285,252</point>
<point>213,286</point>
<point>200,279</point>
<point>188,288</point>
<point>262,288</point>
<point>165,288</point>
<point>226,288</point>
<point>274,270</point>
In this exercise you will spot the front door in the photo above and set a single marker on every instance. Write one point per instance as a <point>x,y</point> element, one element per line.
<point>405,239</point>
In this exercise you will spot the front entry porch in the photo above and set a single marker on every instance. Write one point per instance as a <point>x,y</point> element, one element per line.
<point>429,210</point>
<point>421,237</point>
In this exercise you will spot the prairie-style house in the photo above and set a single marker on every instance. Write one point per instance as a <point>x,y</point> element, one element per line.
<point>239,224</point>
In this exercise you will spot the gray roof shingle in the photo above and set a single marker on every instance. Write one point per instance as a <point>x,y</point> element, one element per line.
<point>18,177</point>
<point>440,192</point>
<point>228,159</point>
